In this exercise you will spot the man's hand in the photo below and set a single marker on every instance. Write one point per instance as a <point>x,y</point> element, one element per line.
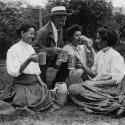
<point>58,50</point>
<point>51,51</point>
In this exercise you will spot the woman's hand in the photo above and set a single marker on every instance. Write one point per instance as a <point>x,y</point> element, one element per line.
<point>79,59</point>
<point>93,83</point>
<point>86,41</point>
<point>106,77</point>
<point>90,43</point>
<point>34,57</point>
<point>41,82</point>
<point>100,83</point>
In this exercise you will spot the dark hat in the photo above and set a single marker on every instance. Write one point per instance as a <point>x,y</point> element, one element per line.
<point>57,11</point>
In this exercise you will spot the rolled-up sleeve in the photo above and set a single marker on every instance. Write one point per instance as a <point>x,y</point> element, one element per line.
<point>117,68</point>
<point>95,65</point>
<point>12,62</point>
<point>68,49</point>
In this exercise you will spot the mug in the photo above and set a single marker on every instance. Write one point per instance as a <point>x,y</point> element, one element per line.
<point>71,62</point>
<point>42,58</point>
<point>63,56</point>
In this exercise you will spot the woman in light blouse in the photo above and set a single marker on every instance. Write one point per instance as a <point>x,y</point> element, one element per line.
<point>98,95</point>
<point>23,65</point>
<point>78,45</point>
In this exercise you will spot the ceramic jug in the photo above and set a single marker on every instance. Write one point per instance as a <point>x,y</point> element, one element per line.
<point>62,92</point>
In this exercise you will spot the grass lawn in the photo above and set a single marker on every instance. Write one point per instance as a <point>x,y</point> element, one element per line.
<point>70,114</point>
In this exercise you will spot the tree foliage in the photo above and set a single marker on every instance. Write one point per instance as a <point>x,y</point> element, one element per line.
<point>90,14</point>
<point>8,21</point>
<point>11,16</point>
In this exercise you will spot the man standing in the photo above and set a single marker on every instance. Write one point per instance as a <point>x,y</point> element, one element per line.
<point>50,40</point>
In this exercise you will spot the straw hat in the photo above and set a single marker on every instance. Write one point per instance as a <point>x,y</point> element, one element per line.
<point>57,11</point>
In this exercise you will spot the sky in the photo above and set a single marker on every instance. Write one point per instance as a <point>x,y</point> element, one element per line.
<point>116,3</point>
<point>119,3</point>
<point>37,2</point>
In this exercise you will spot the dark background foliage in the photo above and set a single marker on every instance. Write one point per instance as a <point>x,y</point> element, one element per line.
<point>90,14</point>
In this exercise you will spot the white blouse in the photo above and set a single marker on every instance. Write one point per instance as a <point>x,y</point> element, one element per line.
<point>17,55</point>
<point>80,50</point>
<point>109,63</point>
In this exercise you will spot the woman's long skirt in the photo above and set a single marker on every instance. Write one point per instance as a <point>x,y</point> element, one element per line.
<point>28,93</point>
<point>99,100</point>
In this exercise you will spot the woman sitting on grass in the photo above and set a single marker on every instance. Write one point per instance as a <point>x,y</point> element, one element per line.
<point>23,65</point>
<point>78,44</point>
<point>104,92</point>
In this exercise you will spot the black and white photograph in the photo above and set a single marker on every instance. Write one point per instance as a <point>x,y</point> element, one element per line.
<point>62,62</point>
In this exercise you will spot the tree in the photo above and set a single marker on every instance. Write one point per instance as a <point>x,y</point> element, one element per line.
<point>91,14</point>
<point>11,16</point>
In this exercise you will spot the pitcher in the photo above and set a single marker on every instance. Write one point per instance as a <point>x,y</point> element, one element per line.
<point>62,92</point>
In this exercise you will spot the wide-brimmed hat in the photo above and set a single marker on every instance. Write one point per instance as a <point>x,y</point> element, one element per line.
<point>58,11</point>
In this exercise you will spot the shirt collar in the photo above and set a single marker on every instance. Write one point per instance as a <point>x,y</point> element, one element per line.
<point>105,49</point>
<point>53,26</point>
<point>24,43</point>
